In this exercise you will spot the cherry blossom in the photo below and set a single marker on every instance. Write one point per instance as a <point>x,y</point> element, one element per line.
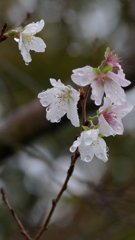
<point>60,100</point>
<point>27,41</point>
<point>90,144</point>
<point>110,116</point>
<point>106,82</point>
<point>111,84</point>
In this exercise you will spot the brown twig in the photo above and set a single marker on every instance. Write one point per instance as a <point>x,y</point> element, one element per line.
<point>63,188</point>
<point>2,36</point>
<point>22,23</point>
<point>22,229</point>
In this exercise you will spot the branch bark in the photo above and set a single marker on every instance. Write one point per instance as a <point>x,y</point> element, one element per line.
<point>74,158</point>
<point>24,125</point>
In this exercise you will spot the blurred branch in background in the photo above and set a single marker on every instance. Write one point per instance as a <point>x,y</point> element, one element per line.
<point>24,125</point>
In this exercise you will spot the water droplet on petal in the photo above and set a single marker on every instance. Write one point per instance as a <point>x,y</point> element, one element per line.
<point>119,102</point>
<point>94,132</point>
<point>100,155</point>
<point>26,63</point>
<point>45,103</point>
<point>106,149</point>
<point>123,114</point>
<point>88,158</point>
<point>16,39</point>
<point>80,73</point>
<point>57,120</point>
<point>88,141</point>
<point>89,73</point>
<point>109,94</point>
<point>72,149</point>
<point>98,101</point>
<point>48,109</point>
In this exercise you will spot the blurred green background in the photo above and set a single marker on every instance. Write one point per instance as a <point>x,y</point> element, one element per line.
<point>99,203</point>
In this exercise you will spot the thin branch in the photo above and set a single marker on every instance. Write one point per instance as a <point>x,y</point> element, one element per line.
<point>22,229</point>
<point>63,188</point>
<point>83,100</point>
<point>2,36</point>
<point>22,23</point>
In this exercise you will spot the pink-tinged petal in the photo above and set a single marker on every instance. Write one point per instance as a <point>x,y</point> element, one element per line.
<point>120,71</point>
<point>118,127</point>
<point>107,103</point>
<point>104,128</point>
<point>122,110</point>
<point>97,92</point>
<point>114,92</point>
<point>119,79</point>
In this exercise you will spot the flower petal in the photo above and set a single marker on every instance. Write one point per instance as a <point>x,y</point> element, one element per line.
<point>122,110</point>
<point>34,28</point>
<point>114,92</point>
<point>107,103</point>
<point>25,54</point>
<point>37,45</point>
<point>104,128</point>
<point>72,113</point>
<point>100,149</point>
<point>97,92</point>
<point>82,76</point>
<point>119,78</point>
<point>60,100</point>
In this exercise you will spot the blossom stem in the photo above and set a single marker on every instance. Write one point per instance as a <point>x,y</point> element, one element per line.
<point>74,157</point>
<point>83,104</point>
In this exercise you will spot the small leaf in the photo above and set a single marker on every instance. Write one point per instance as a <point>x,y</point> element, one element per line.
<point>97,70</point>
<point>107,69</point>
<point>92,118</point>
<point>107,51</point>
<point>85,128</point>
<point>96,127</point>
<point>101,135</point>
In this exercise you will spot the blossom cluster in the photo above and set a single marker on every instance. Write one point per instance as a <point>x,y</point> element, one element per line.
<point>106,83</point>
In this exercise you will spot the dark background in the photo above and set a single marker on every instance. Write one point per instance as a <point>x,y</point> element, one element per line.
<point>99,203</point>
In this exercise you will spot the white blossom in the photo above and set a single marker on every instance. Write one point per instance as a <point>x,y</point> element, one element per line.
<point>60,100</point>
<point>27,40</point>
<point>90,144</point>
